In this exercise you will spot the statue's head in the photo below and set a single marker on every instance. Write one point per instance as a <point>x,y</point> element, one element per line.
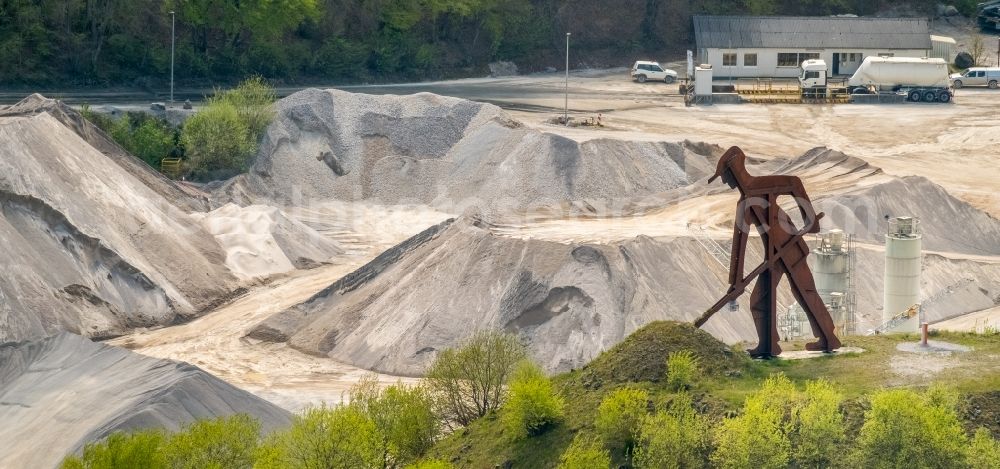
<point>730,162</point>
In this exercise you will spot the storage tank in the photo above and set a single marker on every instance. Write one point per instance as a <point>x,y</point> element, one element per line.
<point>902,273</point>
<point>830,264</point>
<point>889,72</point>
<point>831,272</point>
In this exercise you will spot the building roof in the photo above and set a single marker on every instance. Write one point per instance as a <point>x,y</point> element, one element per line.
<point>810,32</point>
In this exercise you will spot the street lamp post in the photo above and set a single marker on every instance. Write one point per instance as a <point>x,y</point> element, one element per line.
<point>173,24</point>
<point>566,90</point>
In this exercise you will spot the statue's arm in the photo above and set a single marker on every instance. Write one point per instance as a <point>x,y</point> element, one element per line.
<point>806,209</point>
<point>737,257</point>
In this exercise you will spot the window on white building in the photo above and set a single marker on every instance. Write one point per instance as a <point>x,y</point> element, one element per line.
<point>729,60</point>
<point>749,60</point>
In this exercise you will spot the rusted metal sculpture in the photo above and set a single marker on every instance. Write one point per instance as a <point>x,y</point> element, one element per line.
<point>785,253</point>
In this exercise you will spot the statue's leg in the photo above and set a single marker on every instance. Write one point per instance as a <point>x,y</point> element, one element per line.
<point>760,310</point>
<point>804,289</point>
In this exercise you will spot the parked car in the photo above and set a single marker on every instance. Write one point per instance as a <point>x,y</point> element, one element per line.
<point>644,70</point>
<point>976,76</point>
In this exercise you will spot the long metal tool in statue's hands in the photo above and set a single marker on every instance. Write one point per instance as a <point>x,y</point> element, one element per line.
<point>738,288</point>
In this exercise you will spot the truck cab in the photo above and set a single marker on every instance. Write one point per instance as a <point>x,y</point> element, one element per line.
<point>813,74</point>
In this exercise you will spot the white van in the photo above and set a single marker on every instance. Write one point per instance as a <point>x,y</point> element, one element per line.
<point>976,76</point>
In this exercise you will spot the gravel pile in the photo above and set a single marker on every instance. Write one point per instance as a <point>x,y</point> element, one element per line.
<point>447,152</point>
<point>59,393</point>
<point>89,247</point>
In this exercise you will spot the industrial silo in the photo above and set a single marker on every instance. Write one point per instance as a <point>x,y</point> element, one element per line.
<point>902,275</point>
<point>831,266</point>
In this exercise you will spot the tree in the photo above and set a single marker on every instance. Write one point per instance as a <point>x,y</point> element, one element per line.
<point>470,381</point>
<point>904,429</point>
<point>122,450</point>
<point>977,48</point>
<point>225,442</point>
<point>675,438</point>
<point>532,405</point>
<point>404,419</point>
<point>819,426</point>
<point>984,452</point>
<point>324,438</point>
<point>758,437</point>
<point>682,370</point>
<point>619,416</point>
<point>585,453</point>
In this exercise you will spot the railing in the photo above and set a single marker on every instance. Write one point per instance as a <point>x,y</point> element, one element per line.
<point>171,167</point>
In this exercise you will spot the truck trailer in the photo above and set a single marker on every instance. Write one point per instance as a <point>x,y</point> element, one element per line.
<point>918,79</point>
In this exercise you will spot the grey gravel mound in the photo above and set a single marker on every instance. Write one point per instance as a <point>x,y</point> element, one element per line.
<point>59,393</point>
<point>446,152</point>
<point>569,302</point>
<point>948,223</point>
<point>172,192</point>
<point>88,246</point>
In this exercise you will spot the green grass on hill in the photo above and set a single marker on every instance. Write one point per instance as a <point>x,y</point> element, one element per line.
<point>729,377</point>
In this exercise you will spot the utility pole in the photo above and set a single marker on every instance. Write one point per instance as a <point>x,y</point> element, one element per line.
<point>566,104</point>
<point>998,52</point>
<point>173,29</point>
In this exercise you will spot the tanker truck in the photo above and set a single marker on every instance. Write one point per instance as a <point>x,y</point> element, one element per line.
<point>917,79</point>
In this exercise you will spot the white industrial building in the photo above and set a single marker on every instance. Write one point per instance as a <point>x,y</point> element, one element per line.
<point>775,46</point>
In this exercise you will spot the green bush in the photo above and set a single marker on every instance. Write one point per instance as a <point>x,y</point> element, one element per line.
<point>225,442</point>
<point>217,142</point>
<point>758,437</point>
<point>676,438</point>
<point>469,382</point>
<point>145,137</point>
<point>323,437</point>
<point>619,416</point>
<point>682,370</point>
<point>585,453</point>
<point>221,139</point>
<point>403,415</point>
<point>122,450</point>
<point>904,429</point>
<point>431,464</point>
<point>984,452</point>
<point>819,427</point>
<point>532,403</point>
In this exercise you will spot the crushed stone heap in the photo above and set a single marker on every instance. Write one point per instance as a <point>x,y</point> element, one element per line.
<point>74,391</point>
<point>90,247</point>
<point>447,152</point>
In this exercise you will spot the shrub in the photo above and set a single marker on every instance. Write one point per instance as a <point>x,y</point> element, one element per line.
<point>984,452</point>
<point>139,449</point>
<point>757,438</point>
<point>904,429</point>
<point>673,439</point>
<point>145,137</point>
<point>217,142</point>
<point>819,428</point>
<point>403,416</point>
<point>682,370</point>
<point>469,381</point>
<point>322,437</point>
<point>221,139</point>
<point>532,404</point>
<point>619,416</point>
<point>253,99</point>
<point>431,464</point>
<point>585,453</point>
<point>225,442</point>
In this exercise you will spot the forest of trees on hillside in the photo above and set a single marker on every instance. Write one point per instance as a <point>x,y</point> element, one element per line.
<point>127,42</point>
